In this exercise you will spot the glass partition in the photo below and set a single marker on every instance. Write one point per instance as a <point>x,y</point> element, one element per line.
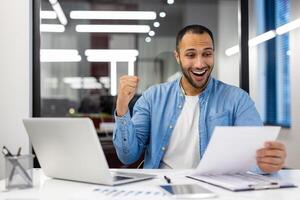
<point>87,45</point>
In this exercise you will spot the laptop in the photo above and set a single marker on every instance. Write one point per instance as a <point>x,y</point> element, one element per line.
<point>69,149</point>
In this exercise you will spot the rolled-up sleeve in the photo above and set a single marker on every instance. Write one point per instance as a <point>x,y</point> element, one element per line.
<point>131,134</point>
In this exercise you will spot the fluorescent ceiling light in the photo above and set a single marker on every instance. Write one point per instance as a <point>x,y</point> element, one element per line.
<point>151,33</point>
<point>162,14</point>
<point>86,86</point>
<point>252,42</point>
<point>60,14</point>
<point>47,14</point>
<point>76,58</point>
<point>59,55</point>
<point>105,80</point>
<point>156,24</point>
<point>112,52</point>
<point>53,1</point>
<point>82,82</point>
<point>70,80</point>
<point>59,11</point>
<point>52,28</point>
<point>170,1</point>
<point>110,59</point>
<point>261,38</point>
<point>111,55</point>
<point>148,39</point>
<point>113,28</point>
<point>113,78</point>
<point>59,52</point>
<point>288,27</point>
<point>119,15</point>
<point>233,50</point>
<point>266,36</point>
<point>131,68</point>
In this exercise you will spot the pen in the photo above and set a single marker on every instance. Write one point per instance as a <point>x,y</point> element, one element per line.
<point>6,152</point>
<point>14,167</point>
<point>167,179</point>
<point>15,163</point>
<point>19,151</point>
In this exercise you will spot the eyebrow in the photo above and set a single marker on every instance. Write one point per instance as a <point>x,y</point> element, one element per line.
<point>205,49</point>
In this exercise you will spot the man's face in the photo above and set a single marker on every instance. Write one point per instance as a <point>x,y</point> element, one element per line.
<point>195,55</point>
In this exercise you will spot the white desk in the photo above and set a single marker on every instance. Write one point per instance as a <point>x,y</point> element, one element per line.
<point>46,188</point>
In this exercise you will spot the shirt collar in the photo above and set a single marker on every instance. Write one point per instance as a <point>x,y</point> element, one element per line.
<point>205,92</point>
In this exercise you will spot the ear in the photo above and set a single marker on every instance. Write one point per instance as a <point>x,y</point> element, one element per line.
<point>176,55</point>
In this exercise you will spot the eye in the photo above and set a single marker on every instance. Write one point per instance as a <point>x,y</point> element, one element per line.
<point>190,55</point>
<point>207,54</point>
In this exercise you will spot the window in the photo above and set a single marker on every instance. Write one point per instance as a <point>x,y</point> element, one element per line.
<point>273,61</point>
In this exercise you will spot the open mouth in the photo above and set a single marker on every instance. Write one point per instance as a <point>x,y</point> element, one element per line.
<point>198,72</point>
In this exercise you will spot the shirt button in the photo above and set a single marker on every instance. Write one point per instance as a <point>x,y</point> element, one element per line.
<point>180,106</point>
<point>124,122</point>
<point>163,148</point>
<point>170,126</point>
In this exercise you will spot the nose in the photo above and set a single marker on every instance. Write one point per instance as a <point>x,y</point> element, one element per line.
<point>199,62</point>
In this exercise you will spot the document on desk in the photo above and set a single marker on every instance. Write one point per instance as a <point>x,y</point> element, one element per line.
<point>126,193</point>
<point>231,153</point>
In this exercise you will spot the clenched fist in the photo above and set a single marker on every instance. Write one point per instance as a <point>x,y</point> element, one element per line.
<point>126,91</point>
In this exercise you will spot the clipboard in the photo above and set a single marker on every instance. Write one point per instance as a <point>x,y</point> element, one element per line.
<point>243,181</point>
<point>230,155</point>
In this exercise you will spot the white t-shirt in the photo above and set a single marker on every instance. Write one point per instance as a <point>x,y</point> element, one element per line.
<point>183,149</point>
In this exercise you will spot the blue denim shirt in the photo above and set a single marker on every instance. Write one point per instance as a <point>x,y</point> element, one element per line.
<point>155,114</point>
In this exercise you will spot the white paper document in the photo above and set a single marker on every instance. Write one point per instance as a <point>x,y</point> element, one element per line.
<point>230,155</point>
<point>233,149</point>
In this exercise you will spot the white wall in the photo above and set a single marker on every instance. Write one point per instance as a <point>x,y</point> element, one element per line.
<point>291,137</point>
<point>14,71</point>
<point>228,66</point>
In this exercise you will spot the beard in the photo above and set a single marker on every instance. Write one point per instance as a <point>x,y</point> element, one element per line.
<point>197,85</point>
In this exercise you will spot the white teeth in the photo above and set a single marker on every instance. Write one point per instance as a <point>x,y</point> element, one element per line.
<point>199,72</point>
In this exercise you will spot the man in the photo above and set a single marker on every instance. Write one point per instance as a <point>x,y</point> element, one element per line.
<point>172,122</point>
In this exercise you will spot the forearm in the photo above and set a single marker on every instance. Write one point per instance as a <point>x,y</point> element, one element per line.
<point>125,140</point>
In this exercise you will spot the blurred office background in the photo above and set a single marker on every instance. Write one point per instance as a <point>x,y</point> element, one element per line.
<point>81,60</point>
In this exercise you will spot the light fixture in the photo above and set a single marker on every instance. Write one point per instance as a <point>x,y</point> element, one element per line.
<point>48,14</point>
<point>113,78</point>
<point>113,28</point>
<point>59,52</point>
<point>112,52</point>
<point>261,38</point>
<point>266,36</point>
<point>115,15</point>
<point>82,82</point>
<point>288,27</point>
<point>59,11</point>
<point>111,55</point>
<point>70,80</point>
<point>52,28</point>
<point>162,14</point>
<point>170,2</point>
<point>105,80</point>
<point>110,59</point>
<point>148,39</point>
<point>151,33</point>
<point>252,42</point>
<point>232,50</point>
<point>59,55</point>
<point>156,24</point>
<point>131,68</point>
